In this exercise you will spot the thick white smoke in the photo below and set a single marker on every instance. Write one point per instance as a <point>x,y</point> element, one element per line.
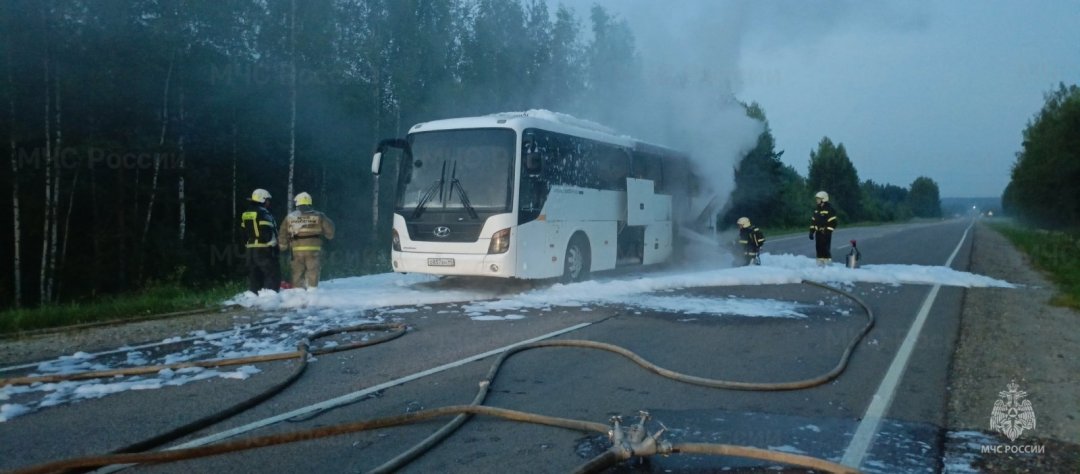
<point>687,98</point>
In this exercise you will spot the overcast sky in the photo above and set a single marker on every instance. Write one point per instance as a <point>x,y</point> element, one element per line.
<point>940,89</point>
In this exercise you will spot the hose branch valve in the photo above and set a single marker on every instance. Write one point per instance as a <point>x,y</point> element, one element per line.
<point>636,440</point>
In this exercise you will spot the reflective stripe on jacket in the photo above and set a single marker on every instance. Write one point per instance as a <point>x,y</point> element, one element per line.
<point>751,238</point>
<point>260,230</point>
<point>304,229</point>
<point>824,218</point>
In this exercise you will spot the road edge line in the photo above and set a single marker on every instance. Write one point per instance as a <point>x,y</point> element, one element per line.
<point>859,447</point>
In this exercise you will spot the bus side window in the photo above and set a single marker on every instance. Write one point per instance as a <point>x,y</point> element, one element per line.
<point>586,161</point>
<point>533,158</point>
<point>534,187</point>
<point>612,167</point>
<point>637,166</point>
<point>562,157</point>
<point>656,173</point>
<point>647,166</point>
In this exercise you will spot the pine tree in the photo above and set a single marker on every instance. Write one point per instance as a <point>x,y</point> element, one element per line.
<point>832,171</point>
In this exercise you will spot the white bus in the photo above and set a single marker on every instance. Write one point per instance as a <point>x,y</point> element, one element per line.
<point>532,195</point>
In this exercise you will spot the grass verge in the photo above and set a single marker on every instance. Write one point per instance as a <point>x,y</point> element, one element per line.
<point>159,299</point>
<point>1054,252</point>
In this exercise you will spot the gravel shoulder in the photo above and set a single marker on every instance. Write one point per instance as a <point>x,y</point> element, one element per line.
<point>1015,335</point>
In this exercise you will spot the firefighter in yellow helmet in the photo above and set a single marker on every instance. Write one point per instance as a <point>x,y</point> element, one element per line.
<point>751,238</point>
<point>822,224</point>
<point>261,243</point>
<point>303,232</point>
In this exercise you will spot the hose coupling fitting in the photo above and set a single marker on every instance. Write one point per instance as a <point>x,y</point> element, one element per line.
<point>637,433</point>
<point>636,440</point>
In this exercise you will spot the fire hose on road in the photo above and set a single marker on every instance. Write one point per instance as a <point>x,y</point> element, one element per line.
<point>301,354</point>
<point>626,443</point>
<point>402,459</point>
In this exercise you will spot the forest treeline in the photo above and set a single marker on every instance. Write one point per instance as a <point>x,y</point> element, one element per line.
<point>136,129</point>
<point>774,194</point>
<point>1043,188</point>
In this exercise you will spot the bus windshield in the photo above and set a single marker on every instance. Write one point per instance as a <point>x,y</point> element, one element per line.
<point>461,169</point>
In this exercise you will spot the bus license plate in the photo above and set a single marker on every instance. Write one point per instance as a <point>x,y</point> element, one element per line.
<point>440,262</point>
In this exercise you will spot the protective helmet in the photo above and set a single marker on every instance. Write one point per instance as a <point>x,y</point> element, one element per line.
<point>302,199</point>
<point>824,196</point>
<point>743,222</point>
<point>260,195</point>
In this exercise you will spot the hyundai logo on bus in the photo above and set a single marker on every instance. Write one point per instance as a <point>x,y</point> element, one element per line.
<point>442,232</point>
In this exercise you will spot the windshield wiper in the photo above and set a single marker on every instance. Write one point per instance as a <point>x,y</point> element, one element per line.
<point>430,192</point>
<point>454,182</point>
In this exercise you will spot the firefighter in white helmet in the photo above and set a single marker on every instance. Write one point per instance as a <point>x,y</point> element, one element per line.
<point>261,243</point>
<point>822,225</point>
<point>751,238</point>
<point>303,232</point>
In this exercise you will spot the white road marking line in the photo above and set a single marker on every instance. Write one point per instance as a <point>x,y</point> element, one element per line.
<point>344,399</point>
<point>860,443</point>
<point>358,394</point>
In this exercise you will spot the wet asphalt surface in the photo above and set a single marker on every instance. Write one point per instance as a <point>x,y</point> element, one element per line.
<point>582,384</point>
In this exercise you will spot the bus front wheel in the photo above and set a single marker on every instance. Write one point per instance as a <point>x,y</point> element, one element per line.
<point>576,263</point>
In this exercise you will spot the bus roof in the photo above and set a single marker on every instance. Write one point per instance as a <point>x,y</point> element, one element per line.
<point>543,119</point>
<point>547,120</point>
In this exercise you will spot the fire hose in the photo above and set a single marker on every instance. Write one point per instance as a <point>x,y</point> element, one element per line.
<point>620,451</point>
<point>301,354</point>
<point>444,432</point>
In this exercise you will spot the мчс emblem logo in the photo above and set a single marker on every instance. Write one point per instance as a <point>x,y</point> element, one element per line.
<point>1012,414</point>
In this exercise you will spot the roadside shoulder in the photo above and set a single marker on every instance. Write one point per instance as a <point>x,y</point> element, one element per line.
<point>1014,336</point>
<point>60,342</point>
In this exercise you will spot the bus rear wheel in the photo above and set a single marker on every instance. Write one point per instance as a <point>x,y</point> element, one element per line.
<point>577,262</point>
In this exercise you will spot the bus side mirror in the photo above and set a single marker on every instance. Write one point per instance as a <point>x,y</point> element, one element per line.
<point>376,163</point>
<point>376,160</point>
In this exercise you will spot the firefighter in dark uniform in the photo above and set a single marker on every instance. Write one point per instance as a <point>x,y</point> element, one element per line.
<point>303,232</point>
<point>822,224</point>
<point>260,231</point>
<point>751,238</point>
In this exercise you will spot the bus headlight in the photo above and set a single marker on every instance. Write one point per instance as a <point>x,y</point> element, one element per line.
<point>500,242</point>
<point>395,241</point>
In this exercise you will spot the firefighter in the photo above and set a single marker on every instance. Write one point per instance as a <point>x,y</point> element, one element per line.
<point>822,225</point>
<point>260,232</point>
<point>303,232</point>
<point>751,238</point>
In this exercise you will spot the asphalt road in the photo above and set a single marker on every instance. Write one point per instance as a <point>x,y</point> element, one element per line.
<point>839,420</point>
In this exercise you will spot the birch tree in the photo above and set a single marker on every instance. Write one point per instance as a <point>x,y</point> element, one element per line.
<point>16,223</point>
<point>161,146</point>
<point>54,205</point>
<point>376,130</point>
<point>292,102</point>
<point>43,283</point>
<point>376,53</point>
<point>182,225</point>
<point>67,227</point>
